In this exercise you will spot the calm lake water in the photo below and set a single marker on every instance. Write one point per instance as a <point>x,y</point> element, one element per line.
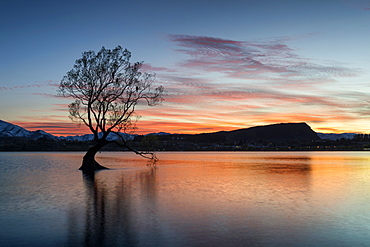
<point>189,199</point>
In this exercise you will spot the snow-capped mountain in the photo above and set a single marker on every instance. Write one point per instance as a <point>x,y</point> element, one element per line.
<point>12,130</point>
<point>89,137</point>
<point>334,137</point>
<point>158,134</point>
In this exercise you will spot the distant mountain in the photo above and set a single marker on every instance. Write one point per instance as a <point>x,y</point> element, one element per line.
<point>334,137</point>
<point>276,132</point>
<point>12,130</point>
<point>90,137</point>
<point>158,134</point>
<point>283,136</point>
<point>41,134</point>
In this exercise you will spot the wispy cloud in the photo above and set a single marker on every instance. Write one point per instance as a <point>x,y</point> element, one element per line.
<point>364,6</point>
<point>49,83</point>
<point>249,59</point>
<point>150,68</point>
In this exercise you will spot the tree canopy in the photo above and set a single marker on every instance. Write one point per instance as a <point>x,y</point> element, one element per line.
<point>106,88</point>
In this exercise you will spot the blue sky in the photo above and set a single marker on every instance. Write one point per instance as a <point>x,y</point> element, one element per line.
<point>224,65</point>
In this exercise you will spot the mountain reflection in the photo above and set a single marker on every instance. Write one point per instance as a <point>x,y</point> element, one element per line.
<point>109,211</point>
<point>290,178</point>
<point>297,165</point>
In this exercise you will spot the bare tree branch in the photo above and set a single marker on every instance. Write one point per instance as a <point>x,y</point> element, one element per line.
<point>145,154</point>
<point>107,88</point>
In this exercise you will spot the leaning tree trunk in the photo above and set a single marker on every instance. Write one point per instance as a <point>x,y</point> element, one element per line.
<point>89,164</point>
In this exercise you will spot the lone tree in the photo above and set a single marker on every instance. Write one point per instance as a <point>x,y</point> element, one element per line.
<point>107,88</point>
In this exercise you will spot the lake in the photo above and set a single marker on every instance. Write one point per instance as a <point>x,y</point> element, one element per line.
<point>188,199</point>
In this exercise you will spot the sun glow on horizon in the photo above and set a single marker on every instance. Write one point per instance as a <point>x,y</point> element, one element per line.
<point>146,127</point>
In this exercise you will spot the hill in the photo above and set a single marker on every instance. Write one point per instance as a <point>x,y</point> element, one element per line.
<point>283,132</point>
<point>275,132</point>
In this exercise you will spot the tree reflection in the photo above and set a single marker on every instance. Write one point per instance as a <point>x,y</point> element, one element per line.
<point>110,214</point>
<point>95,213</point>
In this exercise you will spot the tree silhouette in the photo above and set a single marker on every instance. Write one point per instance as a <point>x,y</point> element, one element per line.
<point>107,88</point>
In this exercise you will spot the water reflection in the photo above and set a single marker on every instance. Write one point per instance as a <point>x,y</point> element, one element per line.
<point>202,205</point>
<point>296,165</point>
<point>111,208</point>
<point>288,181</point>
<point>190,199</point>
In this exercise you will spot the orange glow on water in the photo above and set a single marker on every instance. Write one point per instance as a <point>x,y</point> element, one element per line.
<point>203,197</point>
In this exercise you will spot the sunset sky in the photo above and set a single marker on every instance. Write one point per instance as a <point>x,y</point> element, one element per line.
<point>224,64</point>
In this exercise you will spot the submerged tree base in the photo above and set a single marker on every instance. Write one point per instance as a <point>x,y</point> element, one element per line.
<point>89,164</point>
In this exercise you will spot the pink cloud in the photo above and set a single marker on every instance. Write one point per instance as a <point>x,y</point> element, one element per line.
<point>242,59</point>
<point>150,68</point>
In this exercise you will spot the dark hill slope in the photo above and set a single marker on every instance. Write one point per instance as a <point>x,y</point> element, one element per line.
<point>284,132</point>
<point>276,132</point>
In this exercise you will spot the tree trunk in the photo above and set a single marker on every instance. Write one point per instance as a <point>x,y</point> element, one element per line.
<point>89,164</point>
